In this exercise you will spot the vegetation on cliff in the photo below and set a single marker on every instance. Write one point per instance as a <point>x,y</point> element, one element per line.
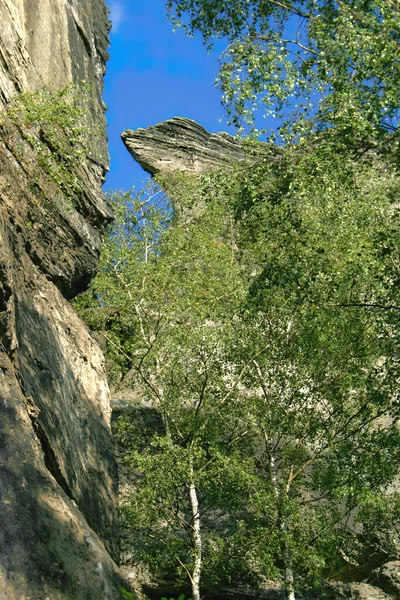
<point>46,130</point>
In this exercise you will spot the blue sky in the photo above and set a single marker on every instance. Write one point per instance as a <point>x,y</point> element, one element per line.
<point>154,75</point>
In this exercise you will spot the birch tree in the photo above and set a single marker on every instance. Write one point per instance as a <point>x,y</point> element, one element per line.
<point>315,65</point>
<point>323,306</point>
<point>166,295</point>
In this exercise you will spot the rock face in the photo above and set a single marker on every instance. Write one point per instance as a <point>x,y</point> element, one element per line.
<point>183,145</point>
<point>356,591</point>
<point>58,480</point>
<point>388,578</point>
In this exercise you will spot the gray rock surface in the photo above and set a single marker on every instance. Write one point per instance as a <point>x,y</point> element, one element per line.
<point>58,480</point>
<point>357,591</point>
<point>181,144</point>
<point>388,578</point>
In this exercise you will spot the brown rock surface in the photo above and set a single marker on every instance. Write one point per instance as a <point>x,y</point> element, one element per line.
<point>357,591</point>
<point>58,484</point>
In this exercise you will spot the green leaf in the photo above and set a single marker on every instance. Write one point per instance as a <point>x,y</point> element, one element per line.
<point>127,595</point>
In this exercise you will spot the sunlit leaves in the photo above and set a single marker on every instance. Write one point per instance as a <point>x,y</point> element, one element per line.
<point>311,63</point>
<point>48,129</point>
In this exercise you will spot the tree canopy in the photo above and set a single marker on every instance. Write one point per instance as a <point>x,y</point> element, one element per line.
<point>259,324</point>
<point>314,63</point>
<point>263,331</point>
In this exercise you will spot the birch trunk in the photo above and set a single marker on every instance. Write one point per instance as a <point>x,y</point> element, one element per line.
<point>289,588</point>
<point>197,541</point>
<point>288,576</point>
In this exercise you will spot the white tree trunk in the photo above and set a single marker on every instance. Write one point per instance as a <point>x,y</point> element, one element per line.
<point>197,541</point>
<point>289,583</point>
<point>288,577</point>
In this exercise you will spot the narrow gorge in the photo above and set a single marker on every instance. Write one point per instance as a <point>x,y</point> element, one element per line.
<point>298,260</point>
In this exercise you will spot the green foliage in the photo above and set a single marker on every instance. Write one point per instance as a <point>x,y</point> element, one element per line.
<point>127,595</point>
<point>163,299</point>
<point>258,321</point>
<point>47,130</point>
<point>261,335</point>
<point>314,63</point>
<point>321,318</point>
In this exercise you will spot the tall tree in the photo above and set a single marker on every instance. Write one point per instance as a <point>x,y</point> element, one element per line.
<point>165,300</point>
<point>262,333</point>
<point>323,305</point>
<point>313,63</point>
<point>262,325</point>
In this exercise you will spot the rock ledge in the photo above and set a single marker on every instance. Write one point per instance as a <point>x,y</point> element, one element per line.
<point>181,144</point>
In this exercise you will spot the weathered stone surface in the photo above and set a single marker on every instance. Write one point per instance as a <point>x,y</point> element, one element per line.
<point>52,43</point>
<point>47,549</point>
<point>388,578</point>
<point>356,591</point>
<point>58,485</point>
<point>183,145</point>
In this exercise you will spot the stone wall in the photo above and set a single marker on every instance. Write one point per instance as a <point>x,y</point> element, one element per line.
<point>58,479</point>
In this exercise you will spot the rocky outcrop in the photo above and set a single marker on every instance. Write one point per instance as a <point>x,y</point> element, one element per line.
<point>58,484</point>
<point>355,591</point>
<point>388,578</point>
<point>183,145</point>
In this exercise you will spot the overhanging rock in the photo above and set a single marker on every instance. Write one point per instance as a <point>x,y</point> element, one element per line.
<point>183,145</point>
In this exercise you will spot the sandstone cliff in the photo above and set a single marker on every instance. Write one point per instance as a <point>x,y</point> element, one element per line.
<point>58,481</point>
<point>181,144</point>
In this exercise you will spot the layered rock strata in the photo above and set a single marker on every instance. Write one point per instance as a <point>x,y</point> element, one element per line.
<point>58,479</point>
<point>183,145</point>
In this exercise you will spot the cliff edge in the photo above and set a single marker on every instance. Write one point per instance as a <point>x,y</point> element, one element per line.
<point>58,478</point>
<point>181,144</point>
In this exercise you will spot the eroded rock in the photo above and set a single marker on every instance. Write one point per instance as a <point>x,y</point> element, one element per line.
<point>183,145</point>
<point>388,578</point>
<point>357,591</point>
<point>58,480</point>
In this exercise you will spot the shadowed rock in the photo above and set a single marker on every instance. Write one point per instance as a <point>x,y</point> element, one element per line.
<point>58,479</point>
<point>388,578</point>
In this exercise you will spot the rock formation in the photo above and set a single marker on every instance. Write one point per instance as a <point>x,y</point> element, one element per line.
<point>58,485</point>
<point>183,145</point>
<point>388,578</point>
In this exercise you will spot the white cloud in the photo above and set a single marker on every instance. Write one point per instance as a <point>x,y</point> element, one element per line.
<point>117,16</point>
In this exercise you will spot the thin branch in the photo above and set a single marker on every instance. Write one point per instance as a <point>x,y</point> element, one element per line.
<point>261,378</point>
<point>201,396</point>
<point>290,9</point>
<point>184,566</point>
<point>292,476</point>
<point>233,388</point>
<point>231,443</point>
<point>145,380</point>
<point>118,275</point>
<point>367,305</point>
<point>296,42</point>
